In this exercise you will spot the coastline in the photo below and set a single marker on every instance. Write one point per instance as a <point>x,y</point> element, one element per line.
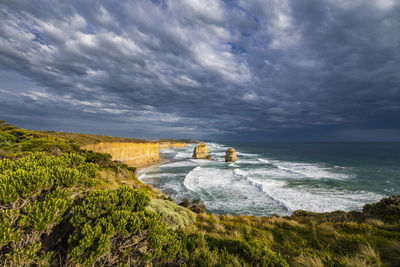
<point>143,168</point>
<point>106,209</point>
<point>263,183</point>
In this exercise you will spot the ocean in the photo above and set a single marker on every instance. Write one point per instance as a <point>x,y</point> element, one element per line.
<point>279,178</point>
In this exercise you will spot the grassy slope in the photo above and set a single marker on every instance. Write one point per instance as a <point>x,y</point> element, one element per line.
<point>60,205</point>
<point>85,139</point>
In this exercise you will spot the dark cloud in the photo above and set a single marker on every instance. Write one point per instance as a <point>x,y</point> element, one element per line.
<point>264,70</point>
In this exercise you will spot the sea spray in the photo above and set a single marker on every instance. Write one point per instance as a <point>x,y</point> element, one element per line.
<point>268,179</point>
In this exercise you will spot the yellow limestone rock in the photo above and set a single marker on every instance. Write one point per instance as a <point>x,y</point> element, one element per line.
<point>230,155</point>
<point>133,154</point>
<point>201,152</point>
<point>170,144</point>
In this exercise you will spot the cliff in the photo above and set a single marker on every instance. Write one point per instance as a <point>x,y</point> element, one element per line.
<point>134,154</point>
<point>70,192</point>
<point>170,144</point>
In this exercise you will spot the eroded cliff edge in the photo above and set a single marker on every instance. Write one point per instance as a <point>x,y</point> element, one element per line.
<point>134,154</point>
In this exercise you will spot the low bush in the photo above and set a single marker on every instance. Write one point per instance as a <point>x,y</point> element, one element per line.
<point>103,159</point>
<point>108,215</point>
<point>196,206</point>
<point>35,195</point>
<point>52,212</point>
<point>387,209</point>
<point>36,172</point>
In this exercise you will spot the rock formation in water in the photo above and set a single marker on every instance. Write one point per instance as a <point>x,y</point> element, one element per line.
<point>230,155</point>
<point>201,152</point>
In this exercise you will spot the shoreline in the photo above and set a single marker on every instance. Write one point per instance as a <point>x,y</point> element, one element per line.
<point>143,168</point>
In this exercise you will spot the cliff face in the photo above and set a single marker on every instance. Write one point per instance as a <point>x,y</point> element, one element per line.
<point>133,154</point>
<point>168,144</point>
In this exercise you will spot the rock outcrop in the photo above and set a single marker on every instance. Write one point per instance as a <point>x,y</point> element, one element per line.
<point>133,154</point>
<point>171,144</point>
<point>137,154</point>
<point>201,152</point>
<point>230,155</point>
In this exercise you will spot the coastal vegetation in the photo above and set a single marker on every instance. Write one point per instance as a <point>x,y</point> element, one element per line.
<point>64,206</point>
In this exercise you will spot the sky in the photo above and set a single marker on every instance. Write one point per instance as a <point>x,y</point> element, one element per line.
<point>246,70</point>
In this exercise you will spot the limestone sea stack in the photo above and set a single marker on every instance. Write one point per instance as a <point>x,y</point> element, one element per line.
<point>230,155</point>
<point>201,152</point>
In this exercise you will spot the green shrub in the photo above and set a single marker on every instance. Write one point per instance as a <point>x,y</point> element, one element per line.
<point>121,212</point>
<point>103,159</point>
<point>44,144</point>
<point>49,216</point>
<point>132,169</point>
<point>387,208</point>
<point>7,140</point>
<point>7,222</point>
<point>41,214</point>
<point>37,183</point>
<point>36,172</point>
<point>21,134</point>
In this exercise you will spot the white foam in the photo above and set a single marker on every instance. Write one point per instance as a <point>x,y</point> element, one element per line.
<point>316,200</point>
<point>307,170</point>
<point>239,172</point>
<point>203,178</point>
<point>247,154</point>
<point>273,173</point>
<point>264,161</point>
<point>247,161</point>
<point>264,184</point>
<point>185,163</point>
<point>183,155</point>
<point>141,177</point>
<point>167,151</point>
<point>259,186</point>
<point>201,161</point>
<point>158,175</point>
<point>312,199</point>
<point>216,146</point>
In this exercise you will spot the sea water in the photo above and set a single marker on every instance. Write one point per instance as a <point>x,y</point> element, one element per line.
<point>279,178</point>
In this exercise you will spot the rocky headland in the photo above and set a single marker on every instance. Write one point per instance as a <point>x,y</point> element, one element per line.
<point>138,154</point>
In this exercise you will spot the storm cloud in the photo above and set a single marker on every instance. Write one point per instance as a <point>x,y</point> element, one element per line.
<point>226,70</point>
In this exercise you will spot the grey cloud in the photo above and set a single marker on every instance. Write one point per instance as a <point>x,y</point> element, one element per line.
<point>203,69</point>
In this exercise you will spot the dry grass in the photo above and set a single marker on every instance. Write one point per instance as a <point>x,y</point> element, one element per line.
<point>308,261</point>
<point>274,220</point>
<point>375,222</point>
<point>85,139</point>
<point>326,233</point>
<point>392,253</point>
<point>109,179</point>
<point>368,257</point>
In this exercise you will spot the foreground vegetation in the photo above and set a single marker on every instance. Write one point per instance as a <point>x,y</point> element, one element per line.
<point>62,206</point>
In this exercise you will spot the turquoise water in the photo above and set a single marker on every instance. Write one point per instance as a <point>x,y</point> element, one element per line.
<point>278,178</point>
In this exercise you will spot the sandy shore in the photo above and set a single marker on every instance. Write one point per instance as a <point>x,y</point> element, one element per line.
<point>141,169</point>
